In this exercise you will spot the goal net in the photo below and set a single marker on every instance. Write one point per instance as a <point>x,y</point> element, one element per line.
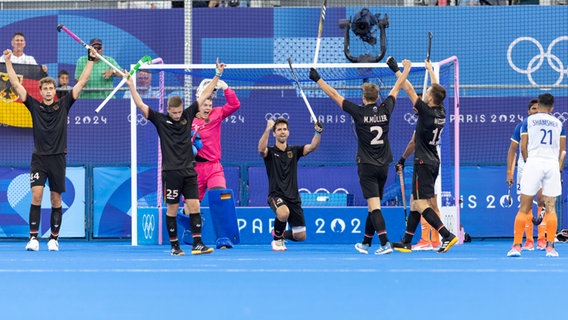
<point>268,91</point>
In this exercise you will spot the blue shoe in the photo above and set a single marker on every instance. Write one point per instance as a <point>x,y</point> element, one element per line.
<point>386,249</point>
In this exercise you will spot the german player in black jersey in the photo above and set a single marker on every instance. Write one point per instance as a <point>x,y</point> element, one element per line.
<point>373,151</point>
<point>281,161</point>
<point>178,173</point>
<point>49,119</point>
<point>431,120</point>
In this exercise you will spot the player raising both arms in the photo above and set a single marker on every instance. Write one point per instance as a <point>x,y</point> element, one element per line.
<point>543,140</point>
<point>178,174</point>
<point>49,119</point>
<point>431,120</point>
<point>373,151</point>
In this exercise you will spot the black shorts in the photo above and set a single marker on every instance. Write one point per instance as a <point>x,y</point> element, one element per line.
<point>372,179</point>
<point>49,168</point>
<point>424,180</point>
<point>179,182</point>
<point>296,217</point>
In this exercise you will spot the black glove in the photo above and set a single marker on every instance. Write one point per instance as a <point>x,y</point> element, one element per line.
<point>89,55</point>
<point>318,127</point>
<point>393,65</point>
<point>400,164</point>
<point>314,75</point>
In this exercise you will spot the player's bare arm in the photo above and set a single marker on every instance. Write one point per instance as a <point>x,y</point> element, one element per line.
<point>85,75</point>
<point>430,69</point>
<point>137,99</point>
<point>219,68</point>
<point>318,127</point>
<point>13,77</point>
<point>402,79</point>
<point>331,92</point>
<point>511,157</point>
<point>263,142</point>
<point>524,145</point>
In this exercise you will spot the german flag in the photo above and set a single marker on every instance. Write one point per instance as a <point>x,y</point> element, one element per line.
<point>225,196</point>
<point>12,110</point>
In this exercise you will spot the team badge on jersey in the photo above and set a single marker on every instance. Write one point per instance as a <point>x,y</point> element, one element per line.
<point>290,154</point>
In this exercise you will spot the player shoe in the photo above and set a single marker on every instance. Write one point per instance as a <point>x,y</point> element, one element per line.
<point>362,248</point>
<point>32,245</point>
<point>515,251</point>
<point>402,247</point>
<point>436,245</point>
<point>200,248</point>
<point>53,245</point>
<point>528,246</point>
<point>278,245</point>
<point>386,249</point>
<point>550,251</point>
<point>423,246</point>
<point>176,251</point>
<point>541,244</point>
<point>447,243</point>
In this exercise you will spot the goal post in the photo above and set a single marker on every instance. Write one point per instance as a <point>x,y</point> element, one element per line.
<point>268,91</point>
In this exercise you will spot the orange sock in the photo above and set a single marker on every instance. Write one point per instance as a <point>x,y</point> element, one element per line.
<point>529,227</point>
<point>519,227</point>
<point>551,225</point>
<point>542,226</point>
<point>425,230</point>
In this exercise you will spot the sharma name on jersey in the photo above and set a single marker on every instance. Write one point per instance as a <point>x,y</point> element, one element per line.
<point>375,118</point>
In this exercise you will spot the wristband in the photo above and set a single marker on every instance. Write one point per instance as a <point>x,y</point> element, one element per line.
<point>318,133</point>
<point>218,73</point>
<point>509,171</point>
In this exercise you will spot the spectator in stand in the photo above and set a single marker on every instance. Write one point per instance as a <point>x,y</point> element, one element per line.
<point>144,86</point>
<point>18,56</point>
<point>102,76</point>
<point>63,88</point>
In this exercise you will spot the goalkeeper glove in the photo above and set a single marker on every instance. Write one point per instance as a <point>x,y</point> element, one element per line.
<point>314,75</point>
<point>393,65</point>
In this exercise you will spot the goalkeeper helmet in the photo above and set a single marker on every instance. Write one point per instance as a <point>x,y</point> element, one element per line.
<point>202,86</point>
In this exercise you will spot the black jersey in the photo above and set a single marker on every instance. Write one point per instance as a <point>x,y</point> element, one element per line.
<point>431,121</point>
<point>372,127</point>
<point>282,171</point>
<point>175,138</point>
<point>49,124</point>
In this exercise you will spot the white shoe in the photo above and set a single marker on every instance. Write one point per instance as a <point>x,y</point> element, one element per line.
<point>362,248</point>
<point>32,245</point>
<point>53,245</point>
<point>278,245</point>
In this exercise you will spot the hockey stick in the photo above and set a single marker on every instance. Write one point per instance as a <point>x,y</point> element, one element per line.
<point>302,91</point>
<point>403,192</point>
<point>428,59</point>
<point>320,31</point>
<point>509,199</point>
<point>84,44</point>
<point>537,221</point>
<point>145,59</point>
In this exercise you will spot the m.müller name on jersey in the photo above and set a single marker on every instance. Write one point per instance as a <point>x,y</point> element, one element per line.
<point>375,118</point>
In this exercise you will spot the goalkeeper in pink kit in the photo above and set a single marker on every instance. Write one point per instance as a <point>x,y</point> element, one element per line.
<point>207,124</point>
<point>206,137</point>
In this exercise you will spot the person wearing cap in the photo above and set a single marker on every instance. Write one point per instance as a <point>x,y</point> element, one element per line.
<point>103,75</point>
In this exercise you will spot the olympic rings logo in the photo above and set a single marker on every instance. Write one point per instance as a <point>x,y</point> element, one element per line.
<point>411,118</point>
<point>562,116</point>
<point>148,225</point>
<point>536,62</point>
<point>324,190</point>
<point>274,116</point>
<point>140,120</point>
